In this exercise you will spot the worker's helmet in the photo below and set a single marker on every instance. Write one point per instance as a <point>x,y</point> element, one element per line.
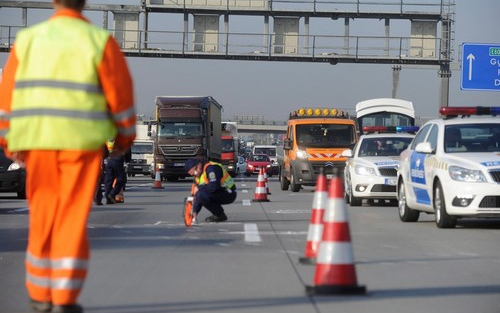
<point>110,144</point>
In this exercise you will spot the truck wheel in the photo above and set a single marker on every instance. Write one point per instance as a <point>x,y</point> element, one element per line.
<point>405,213</point>
<point>284,183</point>
<point>294,187</point>
<point>443,220</point>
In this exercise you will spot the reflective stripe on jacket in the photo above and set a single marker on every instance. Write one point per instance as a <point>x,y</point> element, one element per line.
<point>58,102</point>
<point>226,180</point>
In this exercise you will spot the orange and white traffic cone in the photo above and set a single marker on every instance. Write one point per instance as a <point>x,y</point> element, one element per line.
<point>315,230</point>
<point>265,180</point>
<point>335,272</point>
<point>260,191</point>
<point>157,183</point>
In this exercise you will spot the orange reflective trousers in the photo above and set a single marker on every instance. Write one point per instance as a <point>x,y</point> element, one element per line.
<point>60,186</point>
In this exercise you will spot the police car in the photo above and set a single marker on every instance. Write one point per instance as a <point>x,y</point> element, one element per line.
<point>371,168</point>
<point>452,167</point>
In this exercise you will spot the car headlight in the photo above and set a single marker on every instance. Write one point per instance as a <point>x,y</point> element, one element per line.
<point>363,170</point>
<point>250,166</point>
<point>301,154</point>
<point>466,175</point>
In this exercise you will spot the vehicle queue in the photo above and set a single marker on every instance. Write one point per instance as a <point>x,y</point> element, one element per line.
<point>451,168</point>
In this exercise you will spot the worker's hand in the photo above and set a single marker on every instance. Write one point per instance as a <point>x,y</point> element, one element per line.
<point>19,157</point>
<point>195,190</point>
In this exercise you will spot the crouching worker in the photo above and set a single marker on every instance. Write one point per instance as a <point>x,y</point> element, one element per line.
<point>214,187</point>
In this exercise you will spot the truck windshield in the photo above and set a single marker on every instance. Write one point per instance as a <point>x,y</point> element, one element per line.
<point>325,135</point>
<point>176,130</point>
<point>142,148</point>
<point>227,145</point>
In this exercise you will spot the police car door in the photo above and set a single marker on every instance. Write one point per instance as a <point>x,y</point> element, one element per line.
<point>420,177</point>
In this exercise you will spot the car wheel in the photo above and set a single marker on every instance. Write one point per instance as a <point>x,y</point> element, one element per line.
<point>294,187</point>
<point>406,214</point>
<point>354,201</point>
<point>443,220</point>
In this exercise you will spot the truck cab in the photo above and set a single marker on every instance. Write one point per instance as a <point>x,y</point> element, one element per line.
<point>314,142</point>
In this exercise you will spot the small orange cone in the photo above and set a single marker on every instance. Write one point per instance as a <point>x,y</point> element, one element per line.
<point>315,230</point>
<point>119,198</point>
<point>157,183</point>
<point>260,190</point>
<point>335,272</point>
<point>265,180</point>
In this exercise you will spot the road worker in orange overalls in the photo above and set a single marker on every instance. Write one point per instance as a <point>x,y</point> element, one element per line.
<point>65,90</point>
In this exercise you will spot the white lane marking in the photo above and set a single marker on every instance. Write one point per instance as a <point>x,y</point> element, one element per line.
<point>292,211</point>
<point>243,185</point>
<point>247,202</point>
<point>244,191</point>
<point>19,210</point>
<point>252,233</point>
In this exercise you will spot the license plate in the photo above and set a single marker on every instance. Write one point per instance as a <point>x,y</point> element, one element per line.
<point>329,176</point>
<point>178,164</point>
<point>390,181</point>
<point>138,167</point>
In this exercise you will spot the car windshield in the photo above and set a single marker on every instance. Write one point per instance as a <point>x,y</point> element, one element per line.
<point>472,138</point>
<point>260,158</point>
<point>325,135</point>
<point>269,151</point>
<point>380,146</point>
<point>142,147</point>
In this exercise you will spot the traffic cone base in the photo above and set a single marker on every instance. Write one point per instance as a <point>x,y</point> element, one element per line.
<point>336,290</point>
<point>307,261</point>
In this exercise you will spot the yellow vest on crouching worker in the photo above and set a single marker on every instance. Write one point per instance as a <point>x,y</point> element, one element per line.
<point>58,103</point>
<point>226,181</point>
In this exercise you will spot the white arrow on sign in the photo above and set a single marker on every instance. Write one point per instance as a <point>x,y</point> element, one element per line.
<point>470,57</point>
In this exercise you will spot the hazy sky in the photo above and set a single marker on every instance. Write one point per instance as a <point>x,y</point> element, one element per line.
<point>273,89</point>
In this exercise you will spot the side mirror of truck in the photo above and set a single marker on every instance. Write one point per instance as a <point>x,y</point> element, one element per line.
<point>287,144</point>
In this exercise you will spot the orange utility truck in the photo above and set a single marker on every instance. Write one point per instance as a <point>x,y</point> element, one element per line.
<point>315,139</point>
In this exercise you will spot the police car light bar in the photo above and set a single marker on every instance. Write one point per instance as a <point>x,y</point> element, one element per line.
<point>390,129</point>
<point>455,111</point>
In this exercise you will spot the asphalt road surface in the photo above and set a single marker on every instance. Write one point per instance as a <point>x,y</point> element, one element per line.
<point>144,260</point>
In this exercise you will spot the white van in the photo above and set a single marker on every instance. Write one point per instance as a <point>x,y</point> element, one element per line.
<point>270,150</point>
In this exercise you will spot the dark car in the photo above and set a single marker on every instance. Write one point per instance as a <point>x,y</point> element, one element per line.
<point>257,161</point>
<point>12,176</point>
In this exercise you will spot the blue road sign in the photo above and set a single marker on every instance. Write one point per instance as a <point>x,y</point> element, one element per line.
<point>480,67</point>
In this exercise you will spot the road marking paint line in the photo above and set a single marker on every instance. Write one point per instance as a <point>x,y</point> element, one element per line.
<point>247,202</point>
<point>244,191</point>
<point>252,233</point>
<point>19,210</point>
<point>292,211</point>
